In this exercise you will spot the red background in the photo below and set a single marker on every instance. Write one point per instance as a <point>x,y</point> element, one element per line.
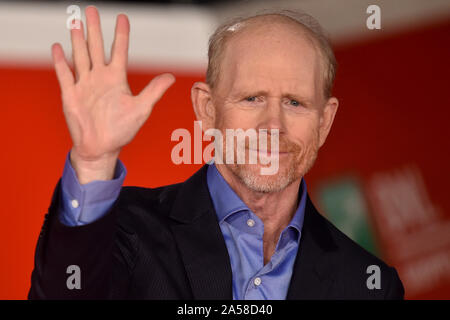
<point>394,110</point>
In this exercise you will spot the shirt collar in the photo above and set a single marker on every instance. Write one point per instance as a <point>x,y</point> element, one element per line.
<point>226,202</point>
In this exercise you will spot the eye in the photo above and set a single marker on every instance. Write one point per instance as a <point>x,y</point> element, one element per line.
<point>294,103</point>
<point>250,99</point>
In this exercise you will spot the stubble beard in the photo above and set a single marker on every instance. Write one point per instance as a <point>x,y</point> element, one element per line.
<point>293,168</point>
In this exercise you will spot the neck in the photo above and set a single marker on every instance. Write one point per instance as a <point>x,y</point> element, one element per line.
<point>275,209</point>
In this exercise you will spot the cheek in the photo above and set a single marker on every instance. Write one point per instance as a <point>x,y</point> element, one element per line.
<point>304,130</point>
<point>234,118</point>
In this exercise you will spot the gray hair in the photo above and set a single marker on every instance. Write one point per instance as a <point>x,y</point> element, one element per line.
<point>225,31</point>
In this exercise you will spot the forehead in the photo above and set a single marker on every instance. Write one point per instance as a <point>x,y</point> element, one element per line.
<point>270,52</point>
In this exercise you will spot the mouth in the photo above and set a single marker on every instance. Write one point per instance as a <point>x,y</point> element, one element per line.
<point>269,153</point>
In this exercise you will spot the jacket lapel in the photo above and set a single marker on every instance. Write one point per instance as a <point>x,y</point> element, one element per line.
<point>313,272</point>
<point>200,240</point>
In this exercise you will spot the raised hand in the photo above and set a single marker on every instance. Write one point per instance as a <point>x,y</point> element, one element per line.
<point>99,108</point>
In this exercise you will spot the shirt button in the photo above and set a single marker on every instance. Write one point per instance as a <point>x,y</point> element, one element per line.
<point>75,203</point>
<point>257,281</point>
<point>250,222</point>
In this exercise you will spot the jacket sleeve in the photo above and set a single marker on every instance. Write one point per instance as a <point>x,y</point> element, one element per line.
<point>73,262</point>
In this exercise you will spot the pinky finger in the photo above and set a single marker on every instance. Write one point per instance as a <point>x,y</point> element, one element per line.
<point>63,72</point>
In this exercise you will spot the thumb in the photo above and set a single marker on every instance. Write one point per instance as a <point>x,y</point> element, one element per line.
<point>155,90</point>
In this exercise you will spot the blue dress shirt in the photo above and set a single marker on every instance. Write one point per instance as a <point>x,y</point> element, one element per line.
<point>243,233</point>
<point>241,228</point>
<point>82,204</point>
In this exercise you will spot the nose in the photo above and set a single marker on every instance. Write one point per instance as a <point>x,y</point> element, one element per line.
<point>272,116</point>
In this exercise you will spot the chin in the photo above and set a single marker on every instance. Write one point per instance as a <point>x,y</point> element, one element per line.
<point>288,172</point>
<point>250,175</point>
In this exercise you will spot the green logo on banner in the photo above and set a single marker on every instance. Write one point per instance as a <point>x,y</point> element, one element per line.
<point>344,204</point>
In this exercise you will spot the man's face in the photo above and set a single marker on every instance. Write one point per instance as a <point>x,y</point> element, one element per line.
<point>270,78</point>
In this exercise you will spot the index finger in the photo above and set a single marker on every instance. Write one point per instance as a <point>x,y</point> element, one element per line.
<point>63,72</point>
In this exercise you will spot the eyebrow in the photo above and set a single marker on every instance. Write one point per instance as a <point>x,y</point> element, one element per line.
<point>293,96</point>
<point>249,93</point>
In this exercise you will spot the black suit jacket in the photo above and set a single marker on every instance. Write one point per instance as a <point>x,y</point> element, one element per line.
<point>166,243</point>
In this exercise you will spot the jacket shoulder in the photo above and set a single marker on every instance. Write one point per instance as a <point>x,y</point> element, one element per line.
<point>348,247</point>
<point>354,262</point>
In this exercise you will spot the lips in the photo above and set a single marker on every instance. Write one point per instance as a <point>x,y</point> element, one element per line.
<point>268,153</point>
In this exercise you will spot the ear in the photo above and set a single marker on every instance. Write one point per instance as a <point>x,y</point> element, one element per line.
<point>203,105</point>
<point>327,118</point>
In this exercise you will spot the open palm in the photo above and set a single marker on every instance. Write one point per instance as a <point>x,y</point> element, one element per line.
<point>100,110</point>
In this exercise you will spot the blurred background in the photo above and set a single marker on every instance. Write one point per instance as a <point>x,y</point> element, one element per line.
<point>382,177</point>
